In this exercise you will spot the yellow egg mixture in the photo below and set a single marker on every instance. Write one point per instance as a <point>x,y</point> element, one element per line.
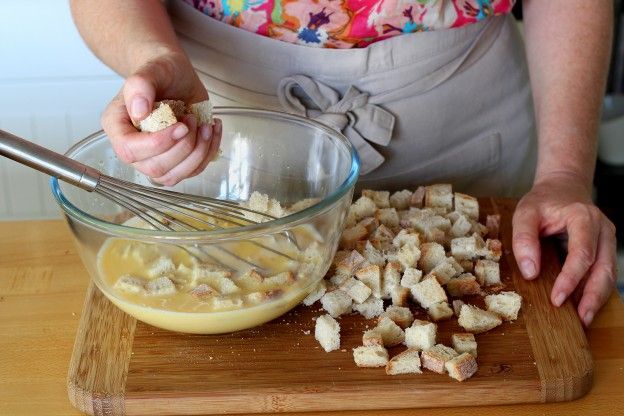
<point>207,288</point>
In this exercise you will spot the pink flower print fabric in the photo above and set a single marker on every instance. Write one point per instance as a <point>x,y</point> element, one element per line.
<point>347,23</point>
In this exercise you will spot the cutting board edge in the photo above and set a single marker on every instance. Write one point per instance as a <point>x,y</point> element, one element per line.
<point>82,379</point>
<point>557,383</point>
<point>304,402</point>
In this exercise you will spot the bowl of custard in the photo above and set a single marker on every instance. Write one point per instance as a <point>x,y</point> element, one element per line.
<point>221,279</point>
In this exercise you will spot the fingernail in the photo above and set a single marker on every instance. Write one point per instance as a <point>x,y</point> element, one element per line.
<point>589,317</point>
<point>179,132</point>
<point>205,132</point>
<point>139,107</point>
<point>527,267</point>
<point>559,299</point>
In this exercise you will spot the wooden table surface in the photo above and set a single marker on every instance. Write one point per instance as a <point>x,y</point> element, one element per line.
<point>42,288</point>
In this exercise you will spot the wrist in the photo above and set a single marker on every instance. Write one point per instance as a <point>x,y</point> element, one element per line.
<point>567,178</point>
<point>146,52</point>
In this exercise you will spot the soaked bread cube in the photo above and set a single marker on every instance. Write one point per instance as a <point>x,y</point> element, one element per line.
<point>160,267</point>
<point>162,286</point>
<point>130,284</point>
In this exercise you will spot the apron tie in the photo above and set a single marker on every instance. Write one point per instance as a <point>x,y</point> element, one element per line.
<point>352,114</point>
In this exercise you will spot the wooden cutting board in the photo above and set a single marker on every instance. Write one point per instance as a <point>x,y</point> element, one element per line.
<point>123,367</point>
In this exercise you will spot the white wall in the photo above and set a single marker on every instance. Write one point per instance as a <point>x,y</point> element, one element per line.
<point>52,90</point>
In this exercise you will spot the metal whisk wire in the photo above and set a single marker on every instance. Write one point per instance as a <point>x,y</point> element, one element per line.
<point>159,208</point>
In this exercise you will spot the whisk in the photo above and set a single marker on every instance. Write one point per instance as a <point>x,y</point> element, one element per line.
<point>162,209</point>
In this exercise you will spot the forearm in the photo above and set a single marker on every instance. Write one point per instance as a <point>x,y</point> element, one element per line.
<point>125,34</point>
<point>568,47</point>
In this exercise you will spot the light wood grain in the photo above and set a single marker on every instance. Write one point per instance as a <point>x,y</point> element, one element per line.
<point>541,357</point>
<point>39,316</point>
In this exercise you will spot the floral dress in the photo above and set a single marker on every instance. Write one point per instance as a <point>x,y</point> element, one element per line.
<point>347,23</point>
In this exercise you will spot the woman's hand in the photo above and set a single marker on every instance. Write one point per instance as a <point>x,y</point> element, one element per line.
<point>177,152</point>
<point>561,205</point>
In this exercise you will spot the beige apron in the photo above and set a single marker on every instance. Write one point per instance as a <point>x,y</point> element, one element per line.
<point>443,106</point>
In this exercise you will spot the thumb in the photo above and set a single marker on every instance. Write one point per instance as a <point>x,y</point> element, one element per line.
<point>139,92</point>
<point>526,245</point>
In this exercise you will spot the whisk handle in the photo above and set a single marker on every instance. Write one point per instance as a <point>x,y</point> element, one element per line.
<point>47,161</point>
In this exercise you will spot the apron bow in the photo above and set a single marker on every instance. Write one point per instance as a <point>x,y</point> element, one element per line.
<point>352,114</point>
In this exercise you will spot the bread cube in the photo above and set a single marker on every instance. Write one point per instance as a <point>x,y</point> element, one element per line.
<point>225,286</point>
<point>493,249</point>
<point>408,255</point>
<point>130,284</point>
<point>388,217</point>
<point>162,286</point>
<point>465,248</point>
<point>358,291</point>
<point>336,303</point>
<point>463,285</point>
<point>316,294</point>
<point>431,254</point>
<point>203,291</point>
<point>505,304</point>
<point>160,118</point>
<point>444,271</point>
<point>382,238</point>
<point>487,272</point>
<point>207,272</point>
<point>461,227</point>
<point>160,267</point>
<point>407,362</point>
<point>435,358</point>
<point>400,296</point>
<point>370,224</point>
<point>372,337</point>
<point>372,255</point>
<point>418,197</point>
<point>400,199</point>
<point>391,333</point>
<point>405,237</point>
<point>370,308</point>
<point>492,222</point>
<point>400,315</point>
<point>372,356</point>
<point>439,195</point>
<point>350,263</point>
<point>380,198</point>
<point>371,277</point>
<point>362,208</point>
<point>461,367</point>
<point>391,279</point>
<point>467,205</point>
<point>428,292</point>
<point>327,333</point>
<point>421,335</point>
<point>439,311</point>
<point>464,343</point>
<point>351,236</point>
<point>476,320</point>
<point>226,303</point>
<point>457,304</point>
<point>411,277</point>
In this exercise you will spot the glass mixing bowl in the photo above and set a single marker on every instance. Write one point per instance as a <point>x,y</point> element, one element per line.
<point>286,157</point>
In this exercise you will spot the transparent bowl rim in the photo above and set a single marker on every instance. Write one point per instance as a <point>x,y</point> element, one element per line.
<point>248,231</point>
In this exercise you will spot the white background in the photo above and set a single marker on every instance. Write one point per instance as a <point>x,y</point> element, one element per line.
<point>52,90</point>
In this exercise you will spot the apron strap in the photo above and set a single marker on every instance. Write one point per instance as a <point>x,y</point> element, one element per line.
<point>351,114</point>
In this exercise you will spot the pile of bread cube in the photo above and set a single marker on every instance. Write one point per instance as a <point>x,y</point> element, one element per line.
<point>423,249</point>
